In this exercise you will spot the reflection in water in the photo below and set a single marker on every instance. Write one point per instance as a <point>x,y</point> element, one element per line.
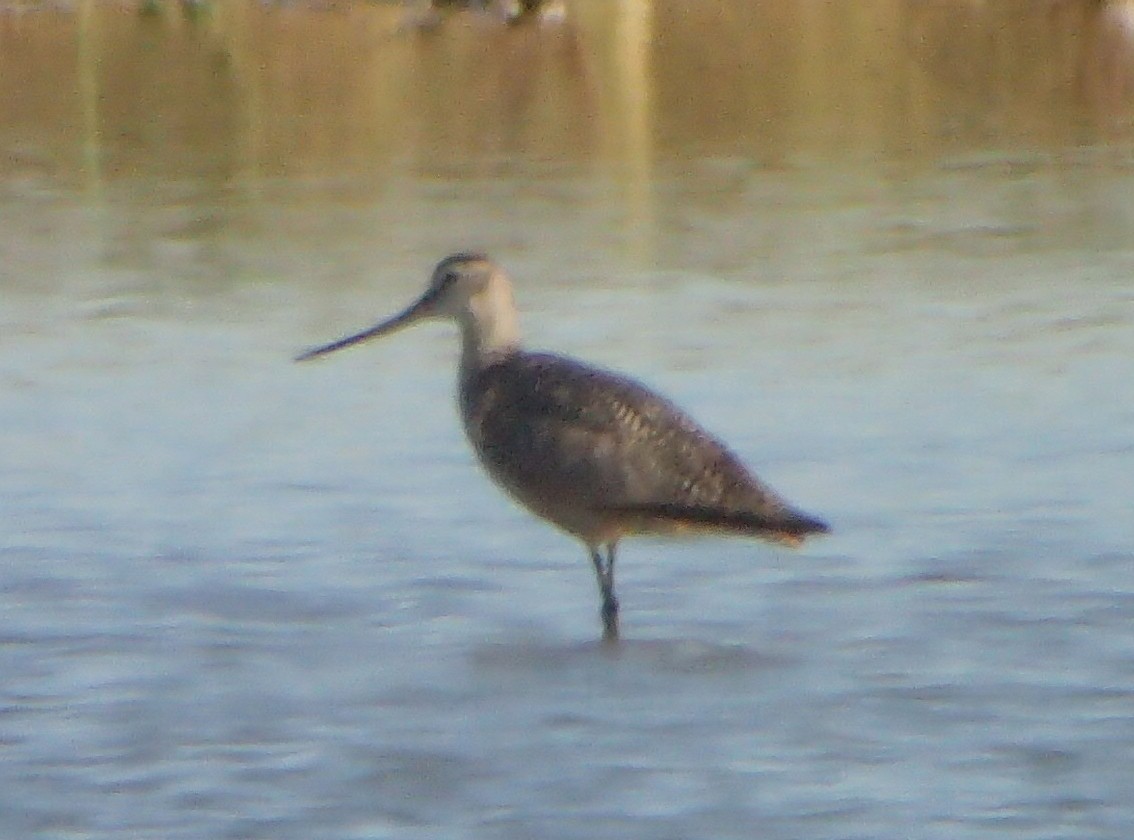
<point>632,87</point>
<point>1108,68</point>
<point>993,76</point>
<point>251,90</point>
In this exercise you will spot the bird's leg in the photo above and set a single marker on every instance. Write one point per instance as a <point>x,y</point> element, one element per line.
<point>609,601</point>
<point>604,571</point>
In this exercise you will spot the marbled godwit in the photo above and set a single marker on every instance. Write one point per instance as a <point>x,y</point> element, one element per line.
<point>593,452</point>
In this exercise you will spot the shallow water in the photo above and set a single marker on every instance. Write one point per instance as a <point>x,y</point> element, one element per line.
<point>243,598</point>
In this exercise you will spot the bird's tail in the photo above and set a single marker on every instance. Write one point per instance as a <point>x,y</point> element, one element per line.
<point>787,526</point>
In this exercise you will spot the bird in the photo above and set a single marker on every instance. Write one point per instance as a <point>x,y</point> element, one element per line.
<point>593,452</point>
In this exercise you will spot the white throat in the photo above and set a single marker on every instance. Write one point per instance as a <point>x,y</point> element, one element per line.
<point>490,325</point>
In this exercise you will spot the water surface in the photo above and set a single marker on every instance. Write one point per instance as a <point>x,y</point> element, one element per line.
<point>885,251</point>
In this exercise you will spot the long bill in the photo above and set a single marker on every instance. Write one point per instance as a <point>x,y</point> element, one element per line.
<point>416,312</point>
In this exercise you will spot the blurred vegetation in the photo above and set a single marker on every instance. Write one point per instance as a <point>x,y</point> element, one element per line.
<point>246,87</point>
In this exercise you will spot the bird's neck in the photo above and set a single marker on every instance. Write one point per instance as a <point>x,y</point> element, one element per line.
<point>490,328</point>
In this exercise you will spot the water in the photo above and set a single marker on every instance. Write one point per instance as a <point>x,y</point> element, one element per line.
<point>241,598</point>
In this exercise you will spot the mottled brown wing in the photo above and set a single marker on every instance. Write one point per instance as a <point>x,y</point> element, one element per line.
<point>610,444</point>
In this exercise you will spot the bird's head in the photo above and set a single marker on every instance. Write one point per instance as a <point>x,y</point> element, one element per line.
<point>467,287</point>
